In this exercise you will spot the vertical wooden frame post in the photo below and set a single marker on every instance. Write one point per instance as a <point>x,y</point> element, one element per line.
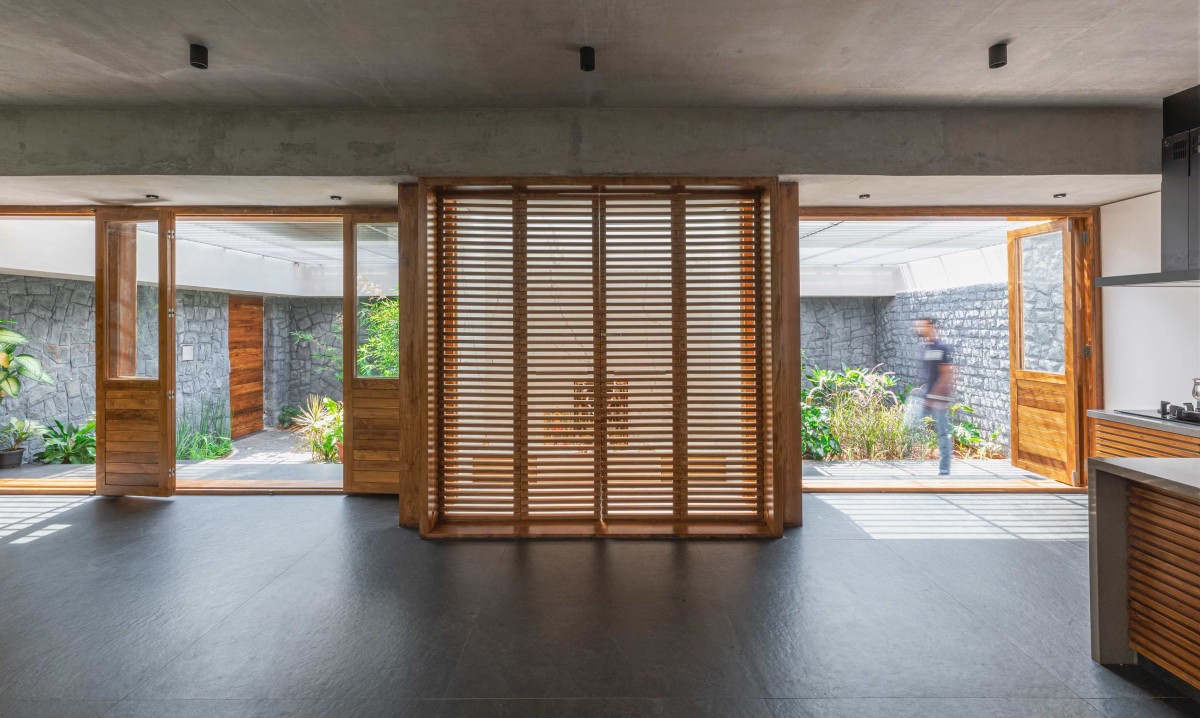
<point>785,329</point>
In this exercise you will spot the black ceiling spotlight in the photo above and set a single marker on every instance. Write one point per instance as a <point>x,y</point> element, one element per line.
<point>587,58</point>
<point>151,196</point>
<point>198,56</point>
<point>1060,195</point>
<point>335,197</point>
<point>864,196</point>
<point>998,55</point>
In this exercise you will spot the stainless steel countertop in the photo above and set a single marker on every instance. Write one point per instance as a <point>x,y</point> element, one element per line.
<point>1174,427</point>
<point>1179,476</point>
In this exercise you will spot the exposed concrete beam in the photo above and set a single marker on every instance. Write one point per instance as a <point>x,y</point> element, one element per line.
<point>56,141</point>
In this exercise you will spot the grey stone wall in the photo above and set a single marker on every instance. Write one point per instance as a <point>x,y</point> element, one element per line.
<point>1042,303</point>
<point>58,316</point>
<point>975,320</point>
<point>202,322</point>
<point>320,316</point>
<point>292,373</point>
<point>838,330</point>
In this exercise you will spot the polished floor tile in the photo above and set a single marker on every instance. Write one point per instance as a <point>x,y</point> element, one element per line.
<point>313,606</point>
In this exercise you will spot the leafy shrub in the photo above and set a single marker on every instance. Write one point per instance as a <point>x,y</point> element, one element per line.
<point>287,416</point>
<point>817,433</point>
<point>379,337</point>
<point>14,366</point>
<point>205,434</point>
<point>863,418</point>
<point>319,426</point>
<point>69,444</point>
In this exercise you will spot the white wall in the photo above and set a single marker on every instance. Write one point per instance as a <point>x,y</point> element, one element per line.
<point>66,248</point>
<point>1151,335</point>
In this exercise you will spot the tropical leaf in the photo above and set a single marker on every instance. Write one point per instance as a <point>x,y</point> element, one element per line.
<point>31,367</point>
<point>9,386</point>
<point>11,336</point>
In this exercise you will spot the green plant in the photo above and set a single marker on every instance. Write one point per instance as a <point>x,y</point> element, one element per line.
<point>379,336</point>
<point>204,434</point>
<point>18,432</point>
<point>287,416</point>
<point>816,433</point>
<point>69,444</point>
<point>15,367</point>
<point>319,426</point>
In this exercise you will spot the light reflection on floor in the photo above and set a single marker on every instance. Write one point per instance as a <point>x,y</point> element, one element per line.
<point>23,519</point>
<point>1062,517</point>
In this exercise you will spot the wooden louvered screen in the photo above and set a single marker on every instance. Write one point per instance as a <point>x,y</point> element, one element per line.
<point>598,356</point>
<point>1164,580</point>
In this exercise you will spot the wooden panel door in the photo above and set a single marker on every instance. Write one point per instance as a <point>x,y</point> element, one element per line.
<point>135,353</point>
<point>1041,311</point>
<point>245,365</point>
<point>372,419</point>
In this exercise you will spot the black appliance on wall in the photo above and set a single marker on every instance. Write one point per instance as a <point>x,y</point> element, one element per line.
<point>1180,198</point>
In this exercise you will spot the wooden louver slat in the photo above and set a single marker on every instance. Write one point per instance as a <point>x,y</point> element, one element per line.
<point>598,356</point>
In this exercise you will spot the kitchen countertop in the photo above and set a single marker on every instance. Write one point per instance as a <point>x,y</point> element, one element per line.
<point>1174,427</point>
<point>1179,476</point>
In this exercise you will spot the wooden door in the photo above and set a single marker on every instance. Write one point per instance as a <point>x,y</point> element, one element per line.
<point>135,352</point>
<point>1041,311</point>
<point>371,406</point>
<point>245,365</point>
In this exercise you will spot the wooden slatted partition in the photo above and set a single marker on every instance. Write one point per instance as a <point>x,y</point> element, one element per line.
<point>598,360</point>
<point>1113,439</point>
<point>1164,580</point>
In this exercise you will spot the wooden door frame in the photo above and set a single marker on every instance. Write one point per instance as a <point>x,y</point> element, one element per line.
<point>351,382</point>
<point>1084,230</point>
<point>166,348</point>
<point>1016,333</point>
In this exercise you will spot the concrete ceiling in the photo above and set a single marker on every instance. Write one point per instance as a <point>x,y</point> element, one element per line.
<point>958,191</point>
<point>521,53</point>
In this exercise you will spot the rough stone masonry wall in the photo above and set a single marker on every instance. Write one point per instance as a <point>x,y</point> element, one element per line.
<point>292,371</point>
<point>201,321</point>
<point>58,316</point>
<point>836,331</point>
<point>975,320</point>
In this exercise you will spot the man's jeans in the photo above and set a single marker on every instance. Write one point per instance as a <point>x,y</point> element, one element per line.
<point>941,427</point>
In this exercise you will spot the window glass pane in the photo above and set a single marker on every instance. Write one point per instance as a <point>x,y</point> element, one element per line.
<point>133,299</point>
<point>378,313</point>
<point>1042,303</point>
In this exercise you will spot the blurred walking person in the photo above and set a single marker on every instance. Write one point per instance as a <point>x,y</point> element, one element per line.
<point>937,389</point>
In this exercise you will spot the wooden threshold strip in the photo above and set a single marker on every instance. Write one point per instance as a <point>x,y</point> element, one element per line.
<point>612,529</point>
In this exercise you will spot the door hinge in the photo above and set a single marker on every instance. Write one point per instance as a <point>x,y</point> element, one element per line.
<point>1083,237</point>
<point>171,234</point>
<point>171,473</point>
<point>171,395</point>
<point>171,313</point>
<point>1087,351</point>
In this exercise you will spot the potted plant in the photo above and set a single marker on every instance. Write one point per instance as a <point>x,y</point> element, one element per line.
<point>13,438</point>
<point>14,366</point>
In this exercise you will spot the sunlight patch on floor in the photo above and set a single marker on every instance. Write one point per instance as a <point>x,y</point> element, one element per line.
<point>966,516</point>
<point>23,518</point>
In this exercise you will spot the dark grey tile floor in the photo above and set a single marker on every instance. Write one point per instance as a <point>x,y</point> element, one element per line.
<point>896,607</point>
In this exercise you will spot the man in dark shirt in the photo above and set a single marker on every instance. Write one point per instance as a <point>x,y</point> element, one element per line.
<point>937,390</point>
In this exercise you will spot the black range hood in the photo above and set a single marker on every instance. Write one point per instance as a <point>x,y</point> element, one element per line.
<point>1180,198</point>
